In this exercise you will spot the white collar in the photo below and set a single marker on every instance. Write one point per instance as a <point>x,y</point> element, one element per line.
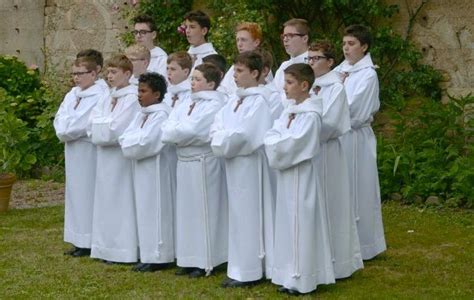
<point>365,62</point>
<point>329,78</point>
<point>157,52</point>
<point>256,90</point>
<point>183,86</point>
<point>201,49</point>
<point>129,89</point>
<point>156,107</point>
<point>311,104</point>
<point>208,95</point>
<point>93,90</point>
<point>299,58</point>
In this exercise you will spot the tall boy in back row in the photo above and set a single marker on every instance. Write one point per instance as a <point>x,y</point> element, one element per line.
<point>362,89</point>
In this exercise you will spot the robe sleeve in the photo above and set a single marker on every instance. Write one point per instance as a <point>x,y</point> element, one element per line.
<point>71,124</point>
<point>247,136</point>
<point>336,119</point>
<point>286,148</point>
<point>365,100</point>
<point>183,130</point>
<point>107,129</point>
<point>139,143</point>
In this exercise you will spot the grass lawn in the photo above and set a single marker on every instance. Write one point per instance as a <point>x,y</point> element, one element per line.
<point>430,255</point>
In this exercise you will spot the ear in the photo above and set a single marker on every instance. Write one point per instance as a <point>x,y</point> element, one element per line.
<point>187,71</point>
<point>305,85</point>
<point>306,39</point>
<point>257,42</point>
<point>211,85</point>
<point>204,31</point>
<point>254,74</point>
<point>153,35</point>
<point>157,95</point>
<point>331,62</point>
<point>365,47</point>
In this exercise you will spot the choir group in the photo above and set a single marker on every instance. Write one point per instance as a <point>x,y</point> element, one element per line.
<point>177,160</point>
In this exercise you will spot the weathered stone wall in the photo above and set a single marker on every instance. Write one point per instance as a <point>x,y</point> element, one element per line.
<point>443,29</point>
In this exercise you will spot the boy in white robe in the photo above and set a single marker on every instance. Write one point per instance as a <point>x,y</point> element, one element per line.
<point>71,123</point>
<point>273,96</point>
<point>178,68</point>
<point>237,135</point>
<point>302,248</point>
<point>197,25</point>
<point>362,89</point>
<point>248,37</point>
<point>154,175</point>
<point>333,172</point>
<point>114,229</point>
<point>295,39</point>
<point>201,200</point>
<point>99,60</point>
<point>140,57</point>
<point>144,31</point>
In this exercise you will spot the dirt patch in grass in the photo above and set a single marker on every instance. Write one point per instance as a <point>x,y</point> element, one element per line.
<point>36,193</point>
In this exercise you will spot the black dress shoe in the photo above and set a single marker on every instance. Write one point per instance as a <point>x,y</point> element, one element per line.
<point>288,291</point>
<point>226,282</point>
<point>196,273</point>
<point>71,251</point>
<point>137,267</point>
<point>151,267</point>
<point>183,271</point>
<point>235,283</point>
<point>81,252</point>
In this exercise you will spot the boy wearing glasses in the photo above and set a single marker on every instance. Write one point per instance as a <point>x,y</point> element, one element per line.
<point>198,25</point>
<point>140,57</point>
<point>71,123</point>
<point>295,39</point>
<point>333,173</point>
<point>362,89</point>
<point>144,31</point>
<point>97,57</point>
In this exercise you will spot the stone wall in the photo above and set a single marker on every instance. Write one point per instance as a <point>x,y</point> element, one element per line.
<point>51,32</point>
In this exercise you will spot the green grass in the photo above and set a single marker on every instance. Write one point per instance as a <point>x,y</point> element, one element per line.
<point>430,255</point>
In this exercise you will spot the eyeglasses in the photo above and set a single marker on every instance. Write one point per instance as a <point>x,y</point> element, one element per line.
<point>314,58</point>
<point>79,73</point>
<point>141,32</point>
<point>290,35</point>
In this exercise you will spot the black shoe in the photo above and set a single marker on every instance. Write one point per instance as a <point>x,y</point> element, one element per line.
<point>183,271</point>
<point>81,252</point>
<point>235,283</point>
<point>138,267</point>
<point>150,267</point>
<point>71,251</point>
<point>226,282</point>
<point>288,291</point>
<point>196,273</point>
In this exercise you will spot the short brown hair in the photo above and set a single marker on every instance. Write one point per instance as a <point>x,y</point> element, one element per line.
<point>360,32</point>
<point>138,50</point>
<point>210,72</point>
<point>252,60</point>
<point>267,58</point>
<point>145,19</point>
<point>182,58</point>
<point>94,54</point>
<point>88,62</point>
<point>301,72</point>
<point>120,61</point>
<point>301,25</point>
<point>253,28</point>
<point>199,17</point>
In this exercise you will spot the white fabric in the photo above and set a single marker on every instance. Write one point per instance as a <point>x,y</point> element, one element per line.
<point>238,136</point>
<point>154,178</point>
<point>362,89</point>
<point>302,246</point>
<point>334,176</point>
<point>114,229</point>
<point>71,122</point>
<point>274,101</point>
<point>279,80</point>
<point>103,84</point>
<point>133,80</point>
<point>157,63</point>
<point>182,90</point>
<point>201,208</point>
<point>228,85</point>
<point>199,52</point>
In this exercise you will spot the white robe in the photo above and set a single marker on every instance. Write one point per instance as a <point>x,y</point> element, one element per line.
<point>182,90</point>
<point>199,52</point>
<point>238,136</point>
<point>360,146</point>
<point>279,80</point>
<point>274,101</point>
<point>154,181</point>
<point>302,248</point>
<point>334,176</point>
<point>228,85</point>
<point>114,229</point>
<point>71,123</point>
<point>157,63</point>
<point>201,196</point>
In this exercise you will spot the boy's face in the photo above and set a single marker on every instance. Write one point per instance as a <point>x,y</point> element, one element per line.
<point>245,42</point>
<point>199,83</point>
<point>244,78</point>
<point>82,77</point>
<point>319,63</point>
<point>175,73</point>
<point>117,77</point>
<point>143,35</point>
<point>139,64</point>
<point>294,89</point>
<point>295,44</point>
<point>195,33</point>
<point>353,50</point>
<point>146,96</point>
